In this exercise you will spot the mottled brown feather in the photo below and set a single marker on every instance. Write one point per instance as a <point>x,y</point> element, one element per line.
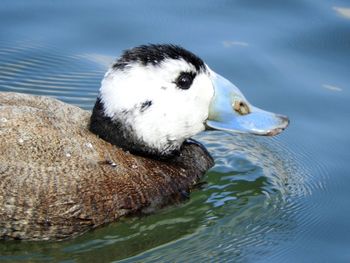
<point>58,180</point>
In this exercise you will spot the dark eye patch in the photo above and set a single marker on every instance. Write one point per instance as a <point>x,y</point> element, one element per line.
<point>185,79</point>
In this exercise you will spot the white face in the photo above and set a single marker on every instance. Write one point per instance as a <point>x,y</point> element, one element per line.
<point>150,101</point>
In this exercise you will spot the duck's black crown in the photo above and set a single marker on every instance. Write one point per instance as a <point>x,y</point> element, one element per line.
<point>154,54</point>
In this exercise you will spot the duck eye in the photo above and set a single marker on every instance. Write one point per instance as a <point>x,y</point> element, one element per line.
<point>185,79</point>
<point>241,107</point>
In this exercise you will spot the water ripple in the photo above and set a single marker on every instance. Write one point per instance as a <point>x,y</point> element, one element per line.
<point>47,71</point>
<point>253,198</point>
<point>256,195</point>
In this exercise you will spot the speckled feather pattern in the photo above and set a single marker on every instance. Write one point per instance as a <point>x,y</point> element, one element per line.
<point>58,180</point>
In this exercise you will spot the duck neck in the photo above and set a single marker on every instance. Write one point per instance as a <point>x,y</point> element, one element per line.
<point>116,132</point>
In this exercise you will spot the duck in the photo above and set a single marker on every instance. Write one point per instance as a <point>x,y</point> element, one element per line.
<point>65,171</point>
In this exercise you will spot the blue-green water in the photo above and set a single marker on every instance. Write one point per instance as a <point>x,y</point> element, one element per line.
<point>283,199</point>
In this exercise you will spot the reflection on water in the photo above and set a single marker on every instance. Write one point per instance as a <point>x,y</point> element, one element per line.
<point>331,87</point>
<point>343,11</point>
<point>231,43</point>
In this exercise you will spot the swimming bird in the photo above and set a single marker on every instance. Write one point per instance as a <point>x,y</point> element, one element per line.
<point>64,170</point>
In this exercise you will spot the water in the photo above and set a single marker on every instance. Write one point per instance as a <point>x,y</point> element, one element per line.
<point>282,199</point>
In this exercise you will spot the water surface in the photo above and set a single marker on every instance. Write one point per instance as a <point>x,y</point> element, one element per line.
<point>282,199</point>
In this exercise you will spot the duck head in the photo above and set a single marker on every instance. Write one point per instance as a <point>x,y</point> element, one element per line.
<point>154,97</point>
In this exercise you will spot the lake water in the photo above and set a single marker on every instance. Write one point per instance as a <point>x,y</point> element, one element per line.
<point>281,199</point>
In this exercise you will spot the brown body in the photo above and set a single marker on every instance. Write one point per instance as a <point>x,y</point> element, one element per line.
<point>58,180</point>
